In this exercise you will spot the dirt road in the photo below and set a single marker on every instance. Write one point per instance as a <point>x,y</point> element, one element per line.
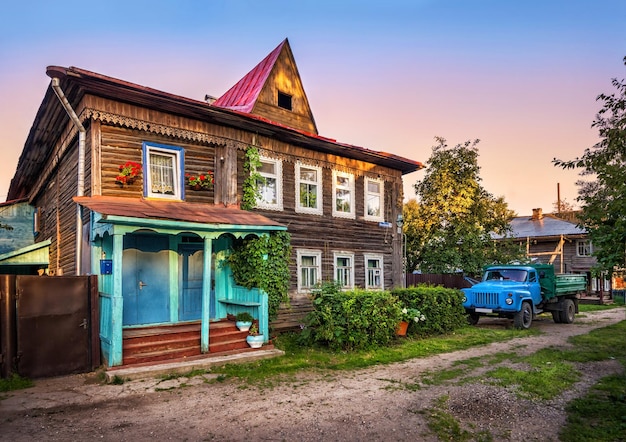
<point>373,404</point>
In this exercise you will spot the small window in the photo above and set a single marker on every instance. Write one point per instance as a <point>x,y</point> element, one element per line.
<point>374,190</point>
<point>343,195</point>
<point>584,248</point>
<point>163,167</point>
<point>309,269</point>
<point>284,100</point>
<point>374,279</point>
<point>344,269</point>
<point>308,189</point>
<point>270,186</point>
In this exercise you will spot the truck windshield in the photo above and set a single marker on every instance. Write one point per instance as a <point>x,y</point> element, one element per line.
<point>506,275</point>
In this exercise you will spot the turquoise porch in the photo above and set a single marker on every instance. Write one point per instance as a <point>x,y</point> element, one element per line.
<point>167,267</point>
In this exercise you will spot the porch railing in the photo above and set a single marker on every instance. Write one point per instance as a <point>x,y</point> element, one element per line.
<point>240,299</point>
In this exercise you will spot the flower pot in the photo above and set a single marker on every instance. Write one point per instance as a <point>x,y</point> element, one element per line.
<point>197,187</point>
<point>255,341</point>
<point>243,325</point>
<point>402,328</point>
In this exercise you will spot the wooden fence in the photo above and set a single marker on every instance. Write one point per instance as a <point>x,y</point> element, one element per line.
<point>452,281</point>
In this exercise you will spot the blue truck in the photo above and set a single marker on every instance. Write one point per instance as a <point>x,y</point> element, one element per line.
<point>520,292</point>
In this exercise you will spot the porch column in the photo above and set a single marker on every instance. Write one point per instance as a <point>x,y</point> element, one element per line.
<point>117,305</point>
<point>206,295</point>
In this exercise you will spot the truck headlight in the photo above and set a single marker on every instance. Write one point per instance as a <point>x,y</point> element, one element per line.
<point>508,301</point>
<point>464,299</point>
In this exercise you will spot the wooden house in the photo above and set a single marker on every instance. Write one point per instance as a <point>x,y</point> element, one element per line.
<point>159,246</point>
<point>552,239</point>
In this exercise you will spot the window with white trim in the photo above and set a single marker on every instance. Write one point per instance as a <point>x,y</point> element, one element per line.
<point>584,247</point>
<point>374,205</point>
<point>308,189</point>
<point>163,167</point>
<point>343,194</point>
<point>374,277</point>
<point>271,185</point>
<point>344,269</point>
<point>309,269</point>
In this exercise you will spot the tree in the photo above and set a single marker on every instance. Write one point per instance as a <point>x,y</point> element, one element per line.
<point>450,228</point>
<point>603,198</point>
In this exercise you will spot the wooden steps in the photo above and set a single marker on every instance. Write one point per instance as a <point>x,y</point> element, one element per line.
<point>178,341</point>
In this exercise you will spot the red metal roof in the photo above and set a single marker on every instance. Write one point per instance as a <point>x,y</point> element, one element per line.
<point>242,96</point>
<point>173,210</point>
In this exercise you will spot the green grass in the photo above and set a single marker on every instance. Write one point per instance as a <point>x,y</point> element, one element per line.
<point>600,415</point>
<point>596,307</point>
<point>447,428</point>
<point>300,358</point>
<point>14,382</point>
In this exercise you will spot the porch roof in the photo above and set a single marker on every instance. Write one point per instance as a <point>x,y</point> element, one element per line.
<point>34,254</point>
<point>110,206</point>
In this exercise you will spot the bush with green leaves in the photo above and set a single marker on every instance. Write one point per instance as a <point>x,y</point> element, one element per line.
<point>441,309</point>
<point>351,320</point>
<point>263,262</point>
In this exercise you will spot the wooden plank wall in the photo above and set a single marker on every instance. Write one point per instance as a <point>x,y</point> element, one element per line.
<point>119,145</point>
<point>329,234</point>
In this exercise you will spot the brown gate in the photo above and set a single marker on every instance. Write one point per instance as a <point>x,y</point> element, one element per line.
<point>56,325</point>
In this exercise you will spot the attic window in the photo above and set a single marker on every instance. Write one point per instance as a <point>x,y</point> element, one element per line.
<point>284,100</point>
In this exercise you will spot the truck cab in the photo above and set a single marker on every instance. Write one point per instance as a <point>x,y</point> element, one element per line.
<point>503,292</point>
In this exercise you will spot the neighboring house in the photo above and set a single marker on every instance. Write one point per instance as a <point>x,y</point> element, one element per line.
<point>19,255</point>
<point>158,246</point>
<point>550,239</point>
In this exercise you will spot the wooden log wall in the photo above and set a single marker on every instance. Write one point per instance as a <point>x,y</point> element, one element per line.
<point>58,214</point>
<point>330,234</point>
<point>119,145</point>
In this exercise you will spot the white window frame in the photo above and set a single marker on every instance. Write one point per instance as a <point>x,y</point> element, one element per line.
<point>381,196</point>
<point>350,189</point>
<point>350,279</point>
<point>261,203</point>
<point>379,269</point>
<point>586,244</point>
<point>178,156</point>
<point>318,210</point>
<point>300,253</point>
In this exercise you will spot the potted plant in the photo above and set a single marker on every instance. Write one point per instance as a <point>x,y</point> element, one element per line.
<point>128,172</point>
<point>200,181</point>
<point>408,315</point>
<point>254,338</point>
<point>243,321</point>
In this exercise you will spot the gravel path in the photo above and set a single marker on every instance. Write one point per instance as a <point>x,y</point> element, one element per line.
<point>380,403</point>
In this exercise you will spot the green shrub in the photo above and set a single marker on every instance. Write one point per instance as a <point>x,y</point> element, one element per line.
<point>351,320</point>
<point>442,308</point>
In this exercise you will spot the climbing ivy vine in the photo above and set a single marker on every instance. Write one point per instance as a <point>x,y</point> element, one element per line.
<point>251,164</point>
<point>263,262</point>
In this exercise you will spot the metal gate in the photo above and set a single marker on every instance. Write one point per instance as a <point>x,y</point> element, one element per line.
<point>56,325</point>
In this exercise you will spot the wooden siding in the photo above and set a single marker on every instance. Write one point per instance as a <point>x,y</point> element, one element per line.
<point>20,217</point>
<point>571,262</point>
<point>329,234</point>
<point>119,145</point>
<point>285,78</point>
<point>113,139</point>
<point>58,214</point>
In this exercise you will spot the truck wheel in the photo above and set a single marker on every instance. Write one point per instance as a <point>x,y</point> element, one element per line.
<point>556,317</point>
<point>524,317</point>
<point>569,312</point>
<point>472,318</point>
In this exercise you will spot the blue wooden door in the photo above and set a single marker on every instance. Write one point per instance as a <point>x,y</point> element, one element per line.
<point>190,271</point>
<point>145,279</point>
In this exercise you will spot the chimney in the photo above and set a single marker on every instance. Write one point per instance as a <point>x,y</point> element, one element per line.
<point>537,214</point>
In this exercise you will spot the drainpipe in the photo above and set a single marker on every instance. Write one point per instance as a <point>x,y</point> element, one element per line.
<point>80,188</point>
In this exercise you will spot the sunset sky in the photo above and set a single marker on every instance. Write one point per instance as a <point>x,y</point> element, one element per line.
<point>521,76</point>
